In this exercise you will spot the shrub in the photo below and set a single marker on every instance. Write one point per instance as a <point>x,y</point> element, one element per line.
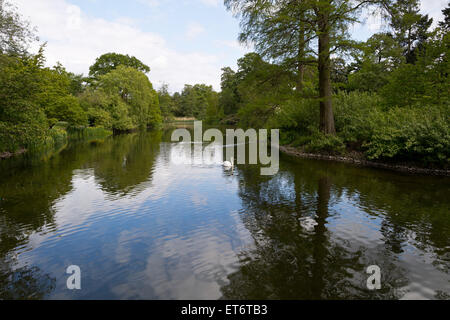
<point>411,133</point>
<point>352,114</point>
<point>99,118</point>
<point>298,115</point>
<point>319,142</point>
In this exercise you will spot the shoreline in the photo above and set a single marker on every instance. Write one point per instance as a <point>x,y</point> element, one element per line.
<point>292,151</point>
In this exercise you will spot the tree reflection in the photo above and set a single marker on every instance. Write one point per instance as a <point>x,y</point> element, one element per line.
<point>125,162</point>
<point>25,284</point>
<point>296,256</point>
<point>28,194</point>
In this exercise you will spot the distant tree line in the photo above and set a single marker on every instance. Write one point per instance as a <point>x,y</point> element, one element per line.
<point>198,101</point>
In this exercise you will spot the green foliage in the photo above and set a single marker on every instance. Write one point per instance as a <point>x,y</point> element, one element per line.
<point>352,114</point>
<point>56,99</point>
<point>110,61</point>
<point>23,123</point>
<point>412,134</point>
<point>15,33</point>
<point>378,57</point>
<point>319,142</point>
<point>425,82</point>
<point>410,27</point>
<point>166,103</point>
<point>57,137</point>
<point>419,134</point>
<point>260,88</point>
<point>229,96</point>
<point>133,101</point>
<point>213,113</point>
<point>100,118</point>
<point>195,100</point>
<point>299,115</point>
<point>445,25</point>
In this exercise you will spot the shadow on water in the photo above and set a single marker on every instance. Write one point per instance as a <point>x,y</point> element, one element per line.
<point>141,227</point>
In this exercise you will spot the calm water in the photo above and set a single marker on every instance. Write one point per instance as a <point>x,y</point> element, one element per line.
<point>142,227</point>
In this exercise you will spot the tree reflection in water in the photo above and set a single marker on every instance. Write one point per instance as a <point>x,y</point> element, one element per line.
<point>295,254</point>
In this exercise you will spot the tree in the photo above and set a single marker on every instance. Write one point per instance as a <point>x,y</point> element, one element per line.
<point>445,25</point>
<point>379,56</point>
<point>15,33</point>
<point>229,97</point>
<point>278,31</point>
<point>194,100</point>
<point>410,27</point>
<point>262,89</point>
<point>22,121</point>
<point>326,20</point>
<point>56,98</point>
<point>110,61</point>
<point>424,83</point>
<point>77,81</point>
<point>213,113</point>
<point>165,101</point>
<point>134,97</point>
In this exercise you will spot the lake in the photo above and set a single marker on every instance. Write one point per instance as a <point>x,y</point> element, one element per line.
<point>142,226</point>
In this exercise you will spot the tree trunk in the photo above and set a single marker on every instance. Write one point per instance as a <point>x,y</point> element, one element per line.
<point>325,91</point>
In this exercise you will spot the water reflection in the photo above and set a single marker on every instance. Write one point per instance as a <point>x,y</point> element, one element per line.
<point>296,255</point>
<point>143,226</point>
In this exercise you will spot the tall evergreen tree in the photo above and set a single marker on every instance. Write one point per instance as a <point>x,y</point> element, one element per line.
<point>445,25</point>
<point>411,28</point>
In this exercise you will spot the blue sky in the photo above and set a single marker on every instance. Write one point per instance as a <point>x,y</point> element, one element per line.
<point>183,41</point>
<point>187,25</point>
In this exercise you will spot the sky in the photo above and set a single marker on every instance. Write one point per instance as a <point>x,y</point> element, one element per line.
<point>182,41</point>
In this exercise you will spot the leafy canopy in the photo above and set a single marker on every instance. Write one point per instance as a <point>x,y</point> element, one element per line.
<point>110,61</point>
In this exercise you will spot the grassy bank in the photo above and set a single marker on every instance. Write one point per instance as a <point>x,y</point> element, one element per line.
<point>53,141</point>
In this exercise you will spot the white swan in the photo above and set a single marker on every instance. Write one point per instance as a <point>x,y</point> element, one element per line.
<point>229,164</point>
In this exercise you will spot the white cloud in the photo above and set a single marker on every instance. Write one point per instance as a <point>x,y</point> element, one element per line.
<point>235,45</point>
<point>156,3</point>
<point>75,39</point>
<point>214,3</point>
<point>373,21</point>
<point>434,8</point>
<point>194,30</point>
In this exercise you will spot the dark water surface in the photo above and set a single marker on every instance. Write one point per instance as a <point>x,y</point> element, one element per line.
<point>143,227</point>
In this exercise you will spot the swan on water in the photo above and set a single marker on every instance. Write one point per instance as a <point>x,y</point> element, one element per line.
<point>229,164</point>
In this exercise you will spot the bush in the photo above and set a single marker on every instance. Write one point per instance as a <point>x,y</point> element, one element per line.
<point>100,118</point>
<point>418,134</point>
<point>24,135</point>
<point>298,115</point>
<point>319,142</point>
<point>352,111</point>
